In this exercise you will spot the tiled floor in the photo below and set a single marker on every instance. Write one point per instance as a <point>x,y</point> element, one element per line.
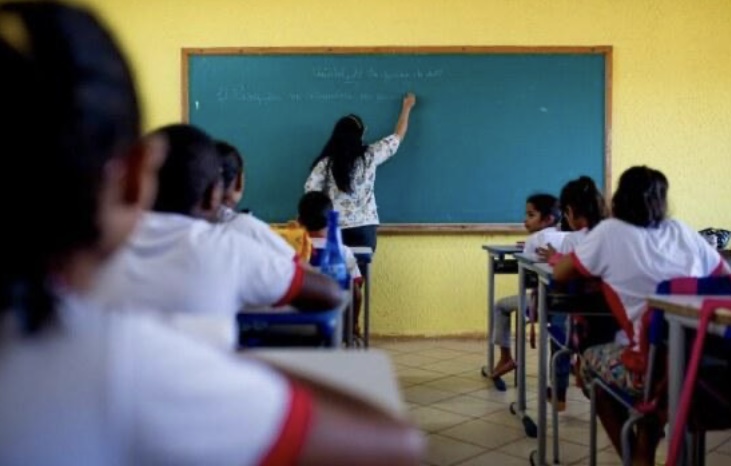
<point>468,423</point>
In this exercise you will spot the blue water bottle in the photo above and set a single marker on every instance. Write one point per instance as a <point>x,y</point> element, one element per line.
<point>333,263</point>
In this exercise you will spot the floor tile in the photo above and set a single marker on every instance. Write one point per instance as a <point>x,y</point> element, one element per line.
<point>458,385</point>
<point>413,359</point>
<point>433,420</point>
<point>570,452</point>
<point>444,451</point>
<point>466,346</point>
<point>725,448</point>
<point>451,366</point>
<point>483,433</point>
<point>469,406</point>
<point>495,458</point>
<point>441,353</point>
<point>422,395</point>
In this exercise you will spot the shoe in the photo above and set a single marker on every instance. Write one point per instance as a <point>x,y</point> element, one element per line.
<point>561,402</point>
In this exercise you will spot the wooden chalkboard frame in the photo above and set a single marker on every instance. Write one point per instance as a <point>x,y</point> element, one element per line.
<point>429,228</point>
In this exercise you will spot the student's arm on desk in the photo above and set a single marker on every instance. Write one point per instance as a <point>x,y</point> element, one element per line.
<point>318,292</point>
<point>565,269</point>
<point>344,431</point>
<point>349,426</point>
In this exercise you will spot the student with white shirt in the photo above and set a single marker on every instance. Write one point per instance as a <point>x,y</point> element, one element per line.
<point>178,261</point>
<point>632,253</point>
<point>583,207</point>
<point>346,171</point>
<point>542,214</point>
<point>312,211</point>
<point>232,175</point>
<point>82,386</point>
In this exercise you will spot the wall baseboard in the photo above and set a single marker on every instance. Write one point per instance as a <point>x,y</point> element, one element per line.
<point>472,336</point>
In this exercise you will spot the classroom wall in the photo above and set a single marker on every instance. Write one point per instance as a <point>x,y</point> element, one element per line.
<point>671,105</point>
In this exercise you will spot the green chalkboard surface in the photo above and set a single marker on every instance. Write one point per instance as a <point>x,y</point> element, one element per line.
<point>491,125</point>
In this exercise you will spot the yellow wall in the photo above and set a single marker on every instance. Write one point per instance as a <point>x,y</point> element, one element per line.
<point>672,103</point>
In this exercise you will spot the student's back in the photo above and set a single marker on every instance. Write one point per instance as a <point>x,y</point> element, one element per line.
<point>632,260</point>
<point>178,263</point>
<point>119,388</point>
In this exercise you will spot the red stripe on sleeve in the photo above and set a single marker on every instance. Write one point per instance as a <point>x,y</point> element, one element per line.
<point>295,286</point>
<point>579,266</point>
<point>287,448</point>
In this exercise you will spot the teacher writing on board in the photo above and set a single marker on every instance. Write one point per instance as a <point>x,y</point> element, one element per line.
<point>346,171</point>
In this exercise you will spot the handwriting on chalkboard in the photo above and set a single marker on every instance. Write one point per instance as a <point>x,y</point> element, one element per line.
<point>352,75</point>
<point>245,94</point>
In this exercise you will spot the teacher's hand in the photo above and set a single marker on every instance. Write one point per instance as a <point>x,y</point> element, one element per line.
<point>409,101</point>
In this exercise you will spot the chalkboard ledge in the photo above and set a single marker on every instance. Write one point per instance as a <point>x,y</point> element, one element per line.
<point>451,228</point>
<point>444,228</point>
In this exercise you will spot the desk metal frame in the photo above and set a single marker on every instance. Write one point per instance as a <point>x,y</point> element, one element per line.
<point>495,254</point>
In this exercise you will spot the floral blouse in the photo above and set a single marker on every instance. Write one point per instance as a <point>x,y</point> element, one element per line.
<point>359,207</point>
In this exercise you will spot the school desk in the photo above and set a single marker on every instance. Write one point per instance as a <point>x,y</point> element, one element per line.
<point>681,312</point>
<point>529,264</point>
<point>499,261</point>
<point>344,371</point>
<point>526,266</point>
<point>364,256</point>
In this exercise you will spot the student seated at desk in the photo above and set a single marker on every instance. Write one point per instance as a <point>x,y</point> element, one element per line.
<point>232,174</point>
<point>312,211</point>
<point>632,253</point>
<point>86,386</point>
<point>542,214</point>
<point>177,260</point>
<point>583,207</point>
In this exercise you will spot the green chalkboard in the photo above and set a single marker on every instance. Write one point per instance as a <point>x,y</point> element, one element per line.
<point>490,127</point>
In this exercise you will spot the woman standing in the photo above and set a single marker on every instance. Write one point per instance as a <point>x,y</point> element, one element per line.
<point>346,171</point>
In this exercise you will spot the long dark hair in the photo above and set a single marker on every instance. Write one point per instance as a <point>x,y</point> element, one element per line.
<point>641,197</point>
<point>585,200</point>
<point>343,150</point>
<point>68,107</point>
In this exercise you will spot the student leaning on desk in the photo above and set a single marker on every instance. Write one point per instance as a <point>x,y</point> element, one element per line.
<point>630,254</point>
<point>83,386</point>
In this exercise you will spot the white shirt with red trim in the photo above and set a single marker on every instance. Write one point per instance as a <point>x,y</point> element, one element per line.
<point>177,263</point>
<point>260,232</point>
<point>539,239</point>
<point>119,388</point>
<point>632,261</point>
<point>348,256</point>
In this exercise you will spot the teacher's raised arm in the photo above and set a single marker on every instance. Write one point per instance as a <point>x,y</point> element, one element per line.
<point>346,171</point>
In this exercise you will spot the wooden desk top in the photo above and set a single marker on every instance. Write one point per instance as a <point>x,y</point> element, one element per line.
<point>689,306</point>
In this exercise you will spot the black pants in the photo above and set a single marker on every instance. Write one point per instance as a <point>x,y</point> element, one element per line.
<point>361,236</point>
